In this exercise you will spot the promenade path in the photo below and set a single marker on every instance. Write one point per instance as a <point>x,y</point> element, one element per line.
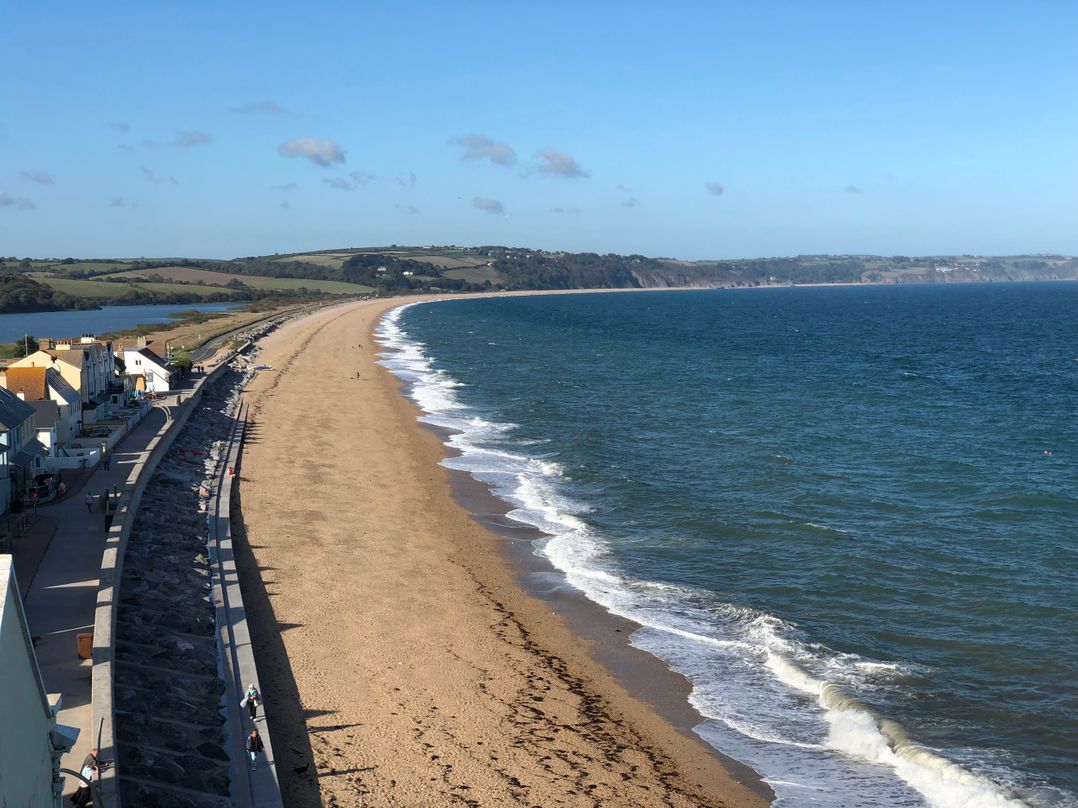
<point>62,597</point>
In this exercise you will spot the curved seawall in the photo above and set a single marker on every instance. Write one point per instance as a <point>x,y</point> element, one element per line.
<point>167,667</point>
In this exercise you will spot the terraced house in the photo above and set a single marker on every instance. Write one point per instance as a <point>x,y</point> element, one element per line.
<point>58,405</point>
<point>86,363</point>
<point>21,455</point>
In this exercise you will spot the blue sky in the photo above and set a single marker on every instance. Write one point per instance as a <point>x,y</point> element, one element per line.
<point>693,130</point>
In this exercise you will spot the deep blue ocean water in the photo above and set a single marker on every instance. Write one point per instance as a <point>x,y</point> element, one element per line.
<point>849,515</point>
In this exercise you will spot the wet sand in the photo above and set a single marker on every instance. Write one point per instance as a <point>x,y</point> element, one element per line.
<point>402,661</point>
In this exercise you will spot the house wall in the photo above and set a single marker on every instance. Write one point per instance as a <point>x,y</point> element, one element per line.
<point>26,763</point>
<point>75,376</point>
<point>160,380</point>
<point>68,424</point>
<point>5,490</point>
<point>94,364</point>
<point>156,377</point>
<point>68,420</point>
<point>46,436</point>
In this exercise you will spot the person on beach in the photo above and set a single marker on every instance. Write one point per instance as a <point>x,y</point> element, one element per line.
<point>254,747</point>
<point>251,699</point>
<point>89,503</point>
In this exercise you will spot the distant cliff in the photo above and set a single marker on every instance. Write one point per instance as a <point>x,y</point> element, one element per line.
<point>858,269</point>
<point>401,270</point>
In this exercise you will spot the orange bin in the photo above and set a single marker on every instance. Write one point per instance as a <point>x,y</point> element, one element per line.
<point>85,644</point>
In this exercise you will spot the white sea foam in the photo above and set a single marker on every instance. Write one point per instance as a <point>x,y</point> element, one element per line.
<point>779,703</point>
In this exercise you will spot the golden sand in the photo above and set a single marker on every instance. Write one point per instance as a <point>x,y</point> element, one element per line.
<point>400,661</point>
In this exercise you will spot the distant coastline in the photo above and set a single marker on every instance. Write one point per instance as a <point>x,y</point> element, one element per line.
<point>32,284</point>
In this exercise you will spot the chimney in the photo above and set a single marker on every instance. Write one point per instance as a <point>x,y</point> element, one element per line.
<point>142,343</point>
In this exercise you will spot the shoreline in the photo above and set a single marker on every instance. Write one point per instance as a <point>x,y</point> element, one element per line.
<point>422,668</point>
<point>643,674</point>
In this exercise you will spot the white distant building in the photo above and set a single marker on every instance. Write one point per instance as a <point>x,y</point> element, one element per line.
<point>31,742</point>
<point>152,373</point>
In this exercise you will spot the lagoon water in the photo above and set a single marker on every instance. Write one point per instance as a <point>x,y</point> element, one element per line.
<point>847,515</point>
<point>69,324</point>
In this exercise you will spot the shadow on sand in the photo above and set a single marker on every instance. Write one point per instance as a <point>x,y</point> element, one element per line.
<point>291,743</point>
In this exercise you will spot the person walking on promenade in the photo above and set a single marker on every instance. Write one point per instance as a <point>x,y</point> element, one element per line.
<point>89,503</point>
<point>254,747</point>
<point>251,699</point>
<point>105,460</point>
<point>83,795</point>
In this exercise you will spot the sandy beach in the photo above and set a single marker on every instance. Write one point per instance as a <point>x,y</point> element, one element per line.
<point>401,662</point>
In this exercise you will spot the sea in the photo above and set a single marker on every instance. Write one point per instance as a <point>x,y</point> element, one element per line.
<point>848,515</point>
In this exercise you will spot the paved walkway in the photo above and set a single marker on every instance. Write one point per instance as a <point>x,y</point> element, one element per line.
<point>63,595</point>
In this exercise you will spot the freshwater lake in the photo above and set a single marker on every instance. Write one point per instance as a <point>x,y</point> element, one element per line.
<point>69,324</point>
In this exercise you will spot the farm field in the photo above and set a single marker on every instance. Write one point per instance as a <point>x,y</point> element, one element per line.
<point>103,289</point>
<point>191,275</point>
<point>62,268</point>
<point>445,259</point>
<point>180,274</point>
<point>475,275</point>
<point>442,258</point>
<point>320,259</point>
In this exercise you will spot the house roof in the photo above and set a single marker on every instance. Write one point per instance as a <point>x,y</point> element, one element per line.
<point>146,352</point>
<point>13,411</point>
<point>33,360</point>
<point>62,388</point>
<point>28,381</point>
<point>46,414</point>
<point>71,357</point>
<point>31,449</point>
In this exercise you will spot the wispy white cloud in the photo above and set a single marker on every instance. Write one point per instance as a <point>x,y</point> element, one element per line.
<point>186,139</point>
<point>406,180</point>
<point>409,209</point>
<point>559,164</point>
<point>631,202</point>
<point>351,182</point>
<point>17,202</point>
<point>156,179</point>
<point>481,147</point>
<point>264,107</point>
<point>565,210</point>
<point>121,202</point>
<point>854,189</point>
<point>488,205</point>
<point>288,186</point>
<point>120,126</point>
<point>40,177</point>
<point>714,188</point>
<point>183,139</point>
<point>625,189</point>
<point>320,152</point>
